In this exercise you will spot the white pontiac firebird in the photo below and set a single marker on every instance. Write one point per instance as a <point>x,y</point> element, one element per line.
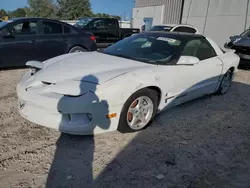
<point>126,85</point>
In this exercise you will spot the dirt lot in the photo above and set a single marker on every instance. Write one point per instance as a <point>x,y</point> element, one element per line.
<point>203,143</point>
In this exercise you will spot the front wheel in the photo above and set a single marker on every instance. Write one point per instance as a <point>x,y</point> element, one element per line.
<point>138,111</point>
<point>226,82</point>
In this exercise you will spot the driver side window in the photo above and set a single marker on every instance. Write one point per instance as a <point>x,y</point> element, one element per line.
<point>199,48</point>
<point>192,48</point>
<point>206,51</point>
<point>24,28</point>
<point>97,24</point>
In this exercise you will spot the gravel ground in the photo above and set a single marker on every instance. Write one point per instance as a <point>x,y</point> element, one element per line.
<point>203,143</point>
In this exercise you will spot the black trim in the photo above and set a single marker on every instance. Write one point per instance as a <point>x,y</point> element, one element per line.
<point>166,100</point>
<point>182,95</point>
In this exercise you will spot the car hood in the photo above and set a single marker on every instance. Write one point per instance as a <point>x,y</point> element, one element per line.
<point>87,66</point>
<point>240,41</point>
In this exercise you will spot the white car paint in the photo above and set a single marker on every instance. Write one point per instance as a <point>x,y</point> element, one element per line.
<point>72,89</point>
<point>175,26</point>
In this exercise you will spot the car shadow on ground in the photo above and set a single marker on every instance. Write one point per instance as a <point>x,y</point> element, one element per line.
<point>202,143</point>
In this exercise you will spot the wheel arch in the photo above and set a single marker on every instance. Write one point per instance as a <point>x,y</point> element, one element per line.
<point>158,90</point>
<point>76,45</point>
<point>232,69</point>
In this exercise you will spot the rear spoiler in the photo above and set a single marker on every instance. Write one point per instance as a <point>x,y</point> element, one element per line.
<point>35,66</point>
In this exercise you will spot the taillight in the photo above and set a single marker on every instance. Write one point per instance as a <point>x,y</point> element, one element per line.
<point>93,38</point>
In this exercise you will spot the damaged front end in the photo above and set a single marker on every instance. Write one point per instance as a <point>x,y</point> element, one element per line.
<point>34,66</point>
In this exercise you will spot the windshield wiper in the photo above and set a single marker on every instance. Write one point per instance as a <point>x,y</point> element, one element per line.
<point>144,60</point>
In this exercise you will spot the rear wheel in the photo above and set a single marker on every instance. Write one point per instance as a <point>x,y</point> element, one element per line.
<point>77,49</point>
<point>226,83</point>
<point>138,111</point>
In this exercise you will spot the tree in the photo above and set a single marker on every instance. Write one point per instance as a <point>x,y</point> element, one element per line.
<point>74,9</point>
<point>20,12</point>
<point>3,13</point>
<point>42,8</point>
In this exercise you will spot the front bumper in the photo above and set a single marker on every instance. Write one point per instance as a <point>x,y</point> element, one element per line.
<point>83,115</point>
<point>242,51</point>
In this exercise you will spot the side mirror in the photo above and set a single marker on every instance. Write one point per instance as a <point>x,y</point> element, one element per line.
<point>188,60</point>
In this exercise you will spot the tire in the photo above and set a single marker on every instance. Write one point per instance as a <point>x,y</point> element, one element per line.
<point>77,49</point>
<point>138,103</point>
<point>225,83</point>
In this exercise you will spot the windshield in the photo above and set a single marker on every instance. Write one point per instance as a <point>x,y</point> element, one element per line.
<point>245,33</point>
<point>2,24</point>
<point>160,28</point>
<point>83,22</point>
<point>153,49</point>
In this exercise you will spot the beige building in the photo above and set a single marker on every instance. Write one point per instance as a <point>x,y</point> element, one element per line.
<point>218,19</point>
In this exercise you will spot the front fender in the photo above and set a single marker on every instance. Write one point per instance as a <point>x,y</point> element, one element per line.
<point>117,91</point>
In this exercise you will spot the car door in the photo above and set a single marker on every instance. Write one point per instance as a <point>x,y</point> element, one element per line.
<point>113,30</point>
<point>51,41</point>
<point>19,47</point>
<point>97,26</point>
<point>207,72</point>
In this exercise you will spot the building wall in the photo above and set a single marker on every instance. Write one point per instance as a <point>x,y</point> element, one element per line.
<point>155,12</point>
<point>217,19</point>
<point>163,11</point>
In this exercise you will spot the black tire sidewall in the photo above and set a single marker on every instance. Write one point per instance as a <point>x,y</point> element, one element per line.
<point>220,88</point>
<point>74,49</point>
<point>123,126</point>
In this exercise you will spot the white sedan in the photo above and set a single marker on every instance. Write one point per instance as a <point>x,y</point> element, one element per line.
<point>124,87</point>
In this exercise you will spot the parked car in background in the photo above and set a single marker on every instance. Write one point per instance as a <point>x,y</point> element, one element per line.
<point>175,28</point>
<point>106,30</point>
<point>240,43</point>
<point>25,39</point>
<point>126,85</point>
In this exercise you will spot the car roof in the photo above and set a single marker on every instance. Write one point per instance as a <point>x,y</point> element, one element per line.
<point>96,18</point>
<point>179,35</point>
<point>36,18</point>
<point>31,18</point>
<point>175,25</point>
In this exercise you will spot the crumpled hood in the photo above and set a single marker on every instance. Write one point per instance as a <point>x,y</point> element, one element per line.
<point>240,41</point>
<point>87,66</point>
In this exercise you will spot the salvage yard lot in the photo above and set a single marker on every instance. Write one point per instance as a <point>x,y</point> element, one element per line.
<point>203,143</point>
